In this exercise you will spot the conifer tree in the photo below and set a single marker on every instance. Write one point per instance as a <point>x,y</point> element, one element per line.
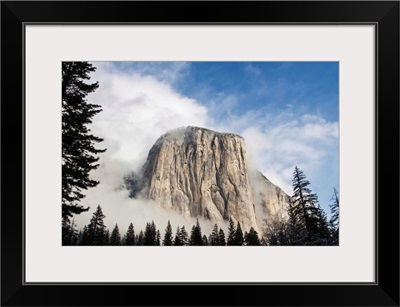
<point>221,237</point>
<point>140,239</point>
<point>251,238</point>
<point>115,238</point>
<point>69,233</point>
<point>231,232</point>
<point>85,237</point>
<point>78,144</point>
<point>196,237</point>
<point>158,238</point>
<point>177,239</point>
<point>205,240</point>
<point>306,216</point>
<point>167,241</point>
<point>334,221</point>
<point>96,228</point>
<point>184,236</point>
<point>150,234</point>
<point>106,240</point>
<point>214,237</point>
<point>78,151</point>
<point>238,239</point>
<point>130,236</point>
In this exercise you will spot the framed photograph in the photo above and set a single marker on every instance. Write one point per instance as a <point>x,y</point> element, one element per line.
<point>239,147</point>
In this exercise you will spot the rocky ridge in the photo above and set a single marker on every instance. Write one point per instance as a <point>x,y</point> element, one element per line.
<point>202,173</point>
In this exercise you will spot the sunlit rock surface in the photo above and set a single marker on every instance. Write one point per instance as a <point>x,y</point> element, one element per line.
<point>200,172</point>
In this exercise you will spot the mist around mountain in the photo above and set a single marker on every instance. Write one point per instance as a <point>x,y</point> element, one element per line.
<point>197,173</point>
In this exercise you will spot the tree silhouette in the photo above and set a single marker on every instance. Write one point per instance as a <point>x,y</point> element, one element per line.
<point>158,238</point>
<point>97,234</point>
<point>334,221</point>
<point>231,232</point>
<point>214,237</point>
<point>115,238</point>
<point>177,239</point>
<point>140,239</point>
<point>251,238</point>
<point>150,234</point>
<point>78,151</point>
<point>167,241</point>
<point>130,236</point>
<point>221,238</point>
<point>196,237</point>
<point>238,238</point>
<point>306,216</point>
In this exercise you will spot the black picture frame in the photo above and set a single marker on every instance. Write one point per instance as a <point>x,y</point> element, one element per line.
<point>383,14</point>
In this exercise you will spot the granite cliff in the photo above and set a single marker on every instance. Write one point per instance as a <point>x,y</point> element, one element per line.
<point>200,172</point>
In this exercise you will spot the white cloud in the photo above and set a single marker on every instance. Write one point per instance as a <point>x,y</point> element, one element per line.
<point>309,142</point>
<point>277,142</point>
<point>137,110</point>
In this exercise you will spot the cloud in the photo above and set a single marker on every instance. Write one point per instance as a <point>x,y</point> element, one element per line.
<point>277,141</point>
<point>309,142</point>
<point>137,110</point>
<point>122,210</point>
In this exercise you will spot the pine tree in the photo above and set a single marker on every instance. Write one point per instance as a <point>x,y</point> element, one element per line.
<point>205,240</point>
<point>69,233</point>
<point>306,216</point>
<point>251,238</point>
<point>97,229</point>
<point>177,239</point>
<point>196,238</point>
<point>150,234</point>
<point>158,238</point>
<point>140,239</point>
<point>115,238</point>
<point>167,241</point>
<point>183,236</point>
<point>130,236</point>
<point>334,221</point>
<point>106,239</point>
<point>78,150</point>
<point>85,237</point>
<point>214,237</point>
<point>238,239</point>
<point>221,237</point>
<point>231,232</point>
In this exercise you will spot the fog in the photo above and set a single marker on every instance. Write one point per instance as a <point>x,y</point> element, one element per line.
<point>137,110</point>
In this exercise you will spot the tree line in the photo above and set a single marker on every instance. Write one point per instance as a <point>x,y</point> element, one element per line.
<point>96,233</point>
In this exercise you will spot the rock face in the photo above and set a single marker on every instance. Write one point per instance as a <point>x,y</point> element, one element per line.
<point>200,172</point>
<point>273,200</point>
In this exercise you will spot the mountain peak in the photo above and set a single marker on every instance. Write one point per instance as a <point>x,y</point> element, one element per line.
<point>180,133</point>
<point>203,173</point>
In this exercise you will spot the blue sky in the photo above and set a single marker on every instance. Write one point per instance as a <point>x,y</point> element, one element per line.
<point>286,111</point>
<point>268,87</point>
